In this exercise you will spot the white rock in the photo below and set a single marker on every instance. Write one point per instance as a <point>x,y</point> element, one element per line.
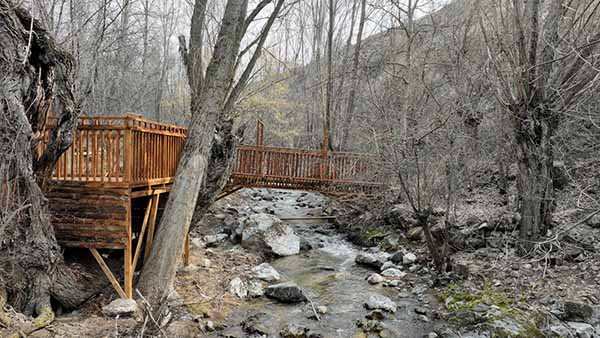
<point>120,307</point>
<point>322,309</point>
<point>266,232</point>
<point>391,272</point>
<point>265,272</point>
<point>388,265</point>
<point>409,258</point>
<point>238,288</point>
<point>255,288</point>
<point>379,302</point>
<point>375,278</point>
<point>583,330</point>
<point>211,240</point>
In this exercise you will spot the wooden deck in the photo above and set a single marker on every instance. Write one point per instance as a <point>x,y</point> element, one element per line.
<point>108,189</point>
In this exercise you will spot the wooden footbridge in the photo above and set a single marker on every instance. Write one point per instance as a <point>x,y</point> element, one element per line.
<point>109,188</point>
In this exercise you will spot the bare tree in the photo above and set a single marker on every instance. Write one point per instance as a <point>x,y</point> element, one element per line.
<point>214,93</point>
<point>544,59</point>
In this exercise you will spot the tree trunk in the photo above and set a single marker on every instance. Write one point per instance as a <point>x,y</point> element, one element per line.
<point>36,75</point>
<point>220,165</point>
<point>355,77</point>
<point>158,273</point>
<point>535,157</point>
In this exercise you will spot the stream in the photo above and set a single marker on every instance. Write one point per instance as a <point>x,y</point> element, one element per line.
<point>330,277</point>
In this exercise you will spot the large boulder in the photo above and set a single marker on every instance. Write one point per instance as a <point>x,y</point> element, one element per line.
<point>266,233</point>
<point>287,292</point>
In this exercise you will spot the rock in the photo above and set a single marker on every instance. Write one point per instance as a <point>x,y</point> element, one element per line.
<point>183,329</point>
<point>560,330</point>
<point>393,283</point>
<point>577,311</point>
<point>322,309</point>
<point>255,288</point>
<point>583,330</point>
<point>263,232</point>
<point>369,259</point>
<point>388,265</point>
<point>375,315</point>
<point>238,288</point>
<point>212,240</point>
<point>432,335</point>
<point>409,258</point>
<point>375,278</point>
<point>379,302</point>
<point>287,292</point>
<point>209,325</point>
<point>391,272</point>
<point>293,331</point>
<point>396,258</point>
<point>120,307</point>
<point>265,272</point>
<point>305,245</point>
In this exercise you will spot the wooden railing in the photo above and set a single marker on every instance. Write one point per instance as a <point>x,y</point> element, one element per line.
<point>125,150</point>
<point>292,168</point>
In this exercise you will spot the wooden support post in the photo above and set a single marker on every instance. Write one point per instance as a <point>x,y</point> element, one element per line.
<point>128,271</point>
<point>186,250</point>
<point>108,273</point>
<point>151,225</point>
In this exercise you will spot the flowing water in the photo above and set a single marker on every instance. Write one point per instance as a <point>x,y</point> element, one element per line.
<point>329,276</point>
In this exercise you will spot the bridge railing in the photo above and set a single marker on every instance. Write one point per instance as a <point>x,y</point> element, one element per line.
<point>308,165</point>
<point>122,150</point>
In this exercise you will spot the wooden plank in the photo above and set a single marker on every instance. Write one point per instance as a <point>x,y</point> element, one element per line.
<point>151,226</point>
<point>108,273</point>
<point>128,271</point>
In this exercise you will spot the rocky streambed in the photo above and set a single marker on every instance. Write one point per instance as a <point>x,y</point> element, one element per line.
<point>327,287</point>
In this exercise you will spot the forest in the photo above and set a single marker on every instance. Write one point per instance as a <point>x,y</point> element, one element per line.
<point>300,168</point>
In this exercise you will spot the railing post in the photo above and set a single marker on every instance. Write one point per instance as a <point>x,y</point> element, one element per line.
<point>260,146</point>
<point>128,152</point>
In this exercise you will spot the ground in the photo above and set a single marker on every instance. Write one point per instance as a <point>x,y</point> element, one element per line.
<point>490,292</point>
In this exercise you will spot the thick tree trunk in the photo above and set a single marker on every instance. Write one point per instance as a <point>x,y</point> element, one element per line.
<point>36,75</point>
<point>535,157</point>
